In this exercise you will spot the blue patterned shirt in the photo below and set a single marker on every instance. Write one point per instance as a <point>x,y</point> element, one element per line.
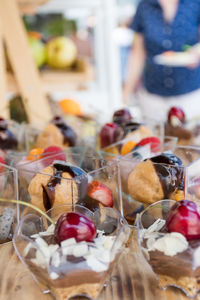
<point>160,36</point>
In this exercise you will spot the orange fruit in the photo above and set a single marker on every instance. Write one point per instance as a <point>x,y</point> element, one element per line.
<point>179,195</point>
<point>128,147</point>
<point>34,154</point>
<point>112,150</point>
<point>35,34</point>
<point>69,106</point>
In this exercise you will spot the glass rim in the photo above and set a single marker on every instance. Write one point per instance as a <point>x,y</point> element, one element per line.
<point>121,221</point>
<point>149,207</point>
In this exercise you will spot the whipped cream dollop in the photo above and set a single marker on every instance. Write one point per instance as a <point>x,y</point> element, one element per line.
<point>168,243</point>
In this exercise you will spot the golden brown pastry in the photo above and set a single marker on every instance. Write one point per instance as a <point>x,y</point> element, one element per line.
<point>51,135</point>
<point>156,178</point>
<point>56,186</point>
<point>57,133</point>
<point>144,184</point>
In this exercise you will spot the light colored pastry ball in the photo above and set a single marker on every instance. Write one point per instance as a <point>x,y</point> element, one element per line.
<point>144,184</point>
<point>63,191</point>
<point>51,135</point>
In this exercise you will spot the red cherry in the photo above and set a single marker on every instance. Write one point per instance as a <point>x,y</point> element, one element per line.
<point>122,116</point>
<point>176,112</point>
<point>54,150</point>
<point>110,133</point>
<point>185,219</point>
<point>153,141</point>
<point>75,225</point>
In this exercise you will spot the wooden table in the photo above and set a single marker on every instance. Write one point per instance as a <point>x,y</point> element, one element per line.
<point>134,279</point>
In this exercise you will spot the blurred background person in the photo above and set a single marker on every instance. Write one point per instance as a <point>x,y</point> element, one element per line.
<point>164,25</point>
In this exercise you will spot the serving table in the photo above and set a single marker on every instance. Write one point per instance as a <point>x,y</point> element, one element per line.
<point>132,279</point>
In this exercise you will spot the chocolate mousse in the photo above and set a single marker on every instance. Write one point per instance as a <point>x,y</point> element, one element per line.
<point>177,126</point>
<point>175,268</point>
<point>172,245</point>
<point>72,268</point>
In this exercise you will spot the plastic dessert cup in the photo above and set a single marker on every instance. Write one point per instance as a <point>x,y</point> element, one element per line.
<point>84,134</point>
<point>71,269</point>
<point>86,130</point>
<point>50,181</point>
<point>174,262</point>
<point>190,155</point>
<point>146,182</point>
<point>150,181</point>
<point>9,212</point>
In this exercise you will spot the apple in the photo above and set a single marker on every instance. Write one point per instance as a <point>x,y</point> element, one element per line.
<point>38,51</point>
<point>61,52</point>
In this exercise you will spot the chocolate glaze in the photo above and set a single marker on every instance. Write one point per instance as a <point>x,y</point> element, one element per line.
<point>7,139</point>
<point>170,174</point>
<point>68,133</point>
<point>130,127</point>
<point>49,189</point>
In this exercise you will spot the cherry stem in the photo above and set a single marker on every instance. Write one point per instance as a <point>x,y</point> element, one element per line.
<point>31,206</point>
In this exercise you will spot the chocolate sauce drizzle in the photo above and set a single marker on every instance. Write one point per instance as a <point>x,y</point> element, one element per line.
<point>169,168</point>
<point>68,133</point>
<point>59,169</point>
<point>130,127</point>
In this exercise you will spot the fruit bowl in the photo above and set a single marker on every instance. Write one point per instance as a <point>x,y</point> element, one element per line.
<point>75,266</point>
<point>165,241</point>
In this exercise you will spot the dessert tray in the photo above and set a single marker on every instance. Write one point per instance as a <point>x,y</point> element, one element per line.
<point>176,59</point>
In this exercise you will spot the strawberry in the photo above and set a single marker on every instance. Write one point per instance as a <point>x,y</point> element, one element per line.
<point>51,150</point>
<point>101,193</point>
<point>153,141</point>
